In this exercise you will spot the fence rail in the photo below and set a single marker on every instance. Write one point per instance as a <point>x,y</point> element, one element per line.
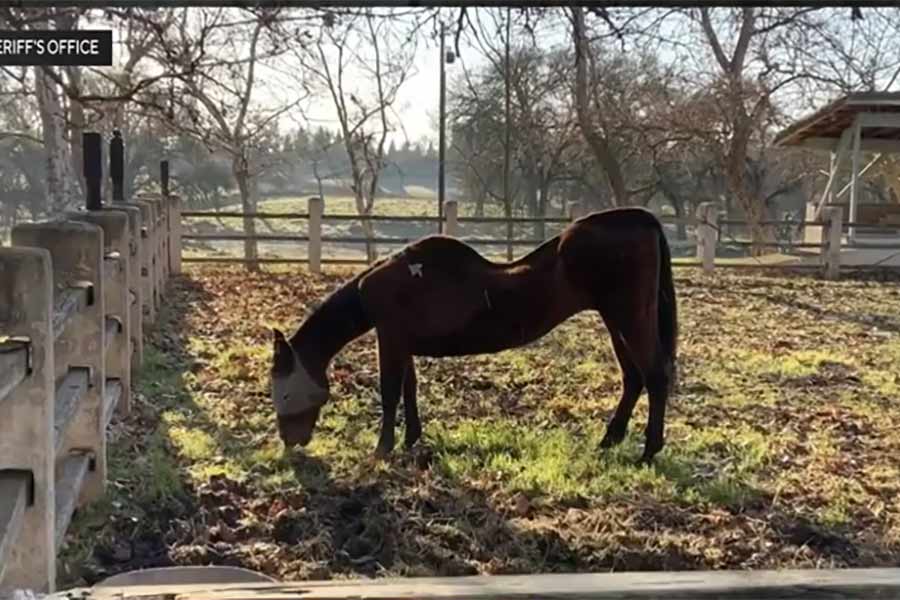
<point>77,294</point>
<point>709,232</point>
<point>805,584</point>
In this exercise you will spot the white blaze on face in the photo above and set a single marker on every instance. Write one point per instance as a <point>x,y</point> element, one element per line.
<point>296,393</point>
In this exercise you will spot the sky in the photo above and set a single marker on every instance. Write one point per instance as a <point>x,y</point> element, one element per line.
<point>418,100</point>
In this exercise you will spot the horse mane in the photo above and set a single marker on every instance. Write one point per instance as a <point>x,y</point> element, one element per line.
<point>334,323</point>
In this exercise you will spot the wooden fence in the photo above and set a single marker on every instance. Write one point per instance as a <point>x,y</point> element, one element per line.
<point>76,295</point>
<point>823,247</point>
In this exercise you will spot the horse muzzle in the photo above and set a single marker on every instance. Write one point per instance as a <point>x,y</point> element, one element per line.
<point>297,429</point>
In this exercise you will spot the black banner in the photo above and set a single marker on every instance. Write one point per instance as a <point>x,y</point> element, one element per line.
<point>71,48</point>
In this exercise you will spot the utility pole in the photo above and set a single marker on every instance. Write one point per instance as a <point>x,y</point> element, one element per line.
<point>507,148</point>
<point>442,116</point>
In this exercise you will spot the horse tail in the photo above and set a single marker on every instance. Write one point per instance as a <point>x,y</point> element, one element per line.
<point>667,318</point>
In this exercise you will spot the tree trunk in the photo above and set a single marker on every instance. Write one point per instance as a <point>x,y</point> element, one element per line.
<point>245,184</point>
<point>754,213</point>
<point>364,209</point>
<point>678,207</point>
<point>61,194</point>
<point>76,129</point>
<point>596,140</point>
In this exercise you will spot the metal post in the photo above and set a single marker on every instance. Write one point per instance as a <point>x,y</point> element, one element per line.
<point>117,166</point>
<point>507,149</point>
<point>164,177</point>
<point>92,149</point>
<point>441,141</point>
<point>854,179</point>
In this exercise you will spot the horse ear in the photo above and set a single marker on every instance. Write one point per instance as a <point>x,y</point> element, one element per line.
<point>283,358</point>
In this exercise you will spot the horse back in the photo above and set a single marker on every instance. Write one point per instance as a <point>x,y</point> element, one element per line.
<point>607,251</point>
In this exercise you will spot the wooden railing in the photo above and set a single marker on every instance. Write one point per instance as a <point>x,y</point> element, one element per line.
<point>823,237</point>
<point>76,295</point>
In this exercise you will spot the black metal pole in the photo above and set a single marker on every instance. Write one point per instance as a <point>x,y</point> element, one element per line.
<point>164,176</point>
<point>92,147</point>
<point>441,142</point>
<point>117,166</point>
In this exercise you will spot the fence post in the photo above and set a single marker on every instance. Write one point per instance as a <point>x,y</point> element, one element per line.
<point>831,241</point>
<point>117,166</point>
<point>76,251</point>
<point>27,441</point>
<point>163,225</point>
<point>144,266</point>
<point>117,324</point>
<point>135,285</point>
<point>164,177</point>
<point>812,234</point>
<point>92,148</point>
<point>451,215</point>
<point>706,234</point>
<point>175,235</point>
<point>576,210</point>
<point>157,241</point>
<point>316,208</point>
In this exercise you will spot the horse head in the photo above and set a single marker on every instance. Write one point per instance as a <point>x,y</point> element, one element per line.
<point>297,396</point>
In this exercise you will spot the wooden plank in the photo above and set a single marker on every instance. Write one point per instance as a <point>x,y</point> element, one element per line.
<point>13,500</point>
<point>70,473</point>
<point>111,396</point>
<point>188,214</point>
<point>68,395</point>
<point>69,302</point>
<point>13,367</point>
<point>807,584</point>
<point>866,145</point>
<point>873,119</point>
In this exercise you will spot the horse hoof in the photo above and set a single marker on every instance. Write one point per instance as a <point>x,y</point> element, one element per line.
<point>610,441</point>
<point>644,462</point>
<point>607,443</point>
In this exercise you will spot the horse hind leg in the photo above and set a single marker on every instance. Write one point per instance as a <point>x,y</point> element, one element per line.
<point>410,406</point>
<point>641,340</point>
<point>632,386</point>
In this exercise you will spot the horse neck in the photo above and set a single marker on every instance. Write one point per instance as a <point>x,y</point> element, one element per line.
<point>542,256</point>
<point>339,320</point>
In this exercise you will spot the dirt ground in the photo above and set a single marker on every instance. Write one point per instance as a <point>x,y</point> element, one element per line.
<point>782,448</point>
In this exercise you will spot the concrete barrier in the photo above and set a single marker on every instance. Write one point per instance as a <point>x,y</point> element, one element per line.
<point>76,295</point>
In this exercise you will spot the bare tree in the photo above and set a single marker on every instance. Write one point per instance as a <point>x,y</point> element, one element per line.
<point>216,99</point>
<point>371,47</point>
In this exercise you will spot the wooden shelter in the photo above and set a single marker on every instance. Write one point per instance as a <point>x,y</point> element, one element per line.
<point>867,122</point>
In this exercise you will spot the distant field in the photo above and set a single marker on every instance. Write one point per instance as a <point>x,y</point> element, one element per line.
<point>782,449</point>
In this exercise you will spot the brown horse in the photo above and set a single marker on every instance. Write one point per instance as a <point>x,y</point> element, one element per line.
<point>439,297</point>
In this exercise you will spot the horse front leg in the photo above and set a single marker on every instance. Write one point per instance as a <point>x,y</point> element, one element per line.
<point>410,405</point>
<point>391,367</point>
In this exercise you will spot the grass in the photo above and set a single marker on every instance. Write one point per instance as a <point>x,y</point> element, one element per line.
<point>781,446</point>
